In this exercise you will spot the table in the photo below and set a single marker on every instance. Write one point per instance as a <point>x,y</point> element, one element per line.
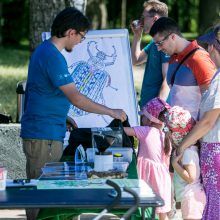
<point>69,198</point>
<point>59,202</point>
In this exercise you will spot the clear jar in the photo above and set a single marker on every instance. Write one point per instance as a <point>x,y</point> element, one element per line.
<point>118,158</point>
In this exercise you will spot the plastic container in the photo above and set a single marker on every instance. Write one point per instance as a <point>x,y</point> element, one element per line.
<point>90,154</point>
<point>125,151</point>
<point>118,158</point>
<point>103,162</point>
<point>3,177</point>
<point>120,166</point>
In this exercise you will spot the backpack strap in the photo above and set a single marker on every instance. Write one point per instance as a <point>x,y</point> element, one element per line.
<point>184,58</point>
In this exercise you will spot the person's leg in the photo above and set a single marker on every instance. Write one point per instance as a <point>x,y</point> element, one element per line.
<point>172,212</point>
<point>39,152</point>
<point>163,216</point>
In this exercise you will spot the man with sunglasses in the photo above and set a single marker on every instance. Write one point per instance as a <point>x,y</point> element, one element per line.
<point>154,81</point>
<point>190,66</point>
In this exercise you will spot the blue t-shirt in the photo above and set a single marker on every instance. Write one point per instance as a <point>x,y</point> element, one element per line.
<point>153,76</point>
<point>46,107</point>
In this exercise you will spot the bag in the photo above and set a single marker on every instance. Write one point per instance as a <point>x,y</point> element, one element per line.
<point>181,62</point>
<point>83,136</point>
<point>5,119</point>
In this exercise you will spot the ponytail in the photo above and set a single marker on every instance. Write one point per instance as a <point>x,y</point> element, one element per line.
<point>167,144</point>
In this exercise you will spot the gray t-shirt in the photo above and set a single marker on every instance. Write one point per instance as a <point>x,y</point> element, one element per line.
<point>182,188</point>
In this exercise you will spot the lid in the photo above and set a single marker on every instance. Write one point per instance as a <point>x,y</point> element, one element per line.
<point>118,155</point>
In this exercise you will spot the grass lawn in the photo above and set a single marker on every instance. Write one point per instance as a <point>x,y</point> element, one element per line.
<point>13,68</point>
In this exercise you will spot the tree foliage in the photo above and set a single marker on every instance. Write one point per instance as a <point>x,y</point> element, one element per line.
<point>28,18</point>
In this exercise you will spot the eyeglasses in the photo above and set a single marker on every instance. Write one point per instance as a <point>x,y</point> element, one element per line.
<point>160,43</point>
<point>82,36</point>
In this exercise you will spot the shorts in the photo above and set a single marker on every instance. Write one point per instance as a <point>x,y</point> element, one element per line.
<point>39,152</point>
<point>192,206</point>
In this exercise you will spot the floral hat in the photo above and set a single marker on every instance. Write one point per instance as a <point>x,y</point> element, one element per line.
<point>180,122</point>
<point>153,108</point>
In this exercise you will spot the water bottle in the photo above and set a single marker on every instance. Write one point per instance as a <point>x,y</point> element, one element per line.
<point>80,159</point>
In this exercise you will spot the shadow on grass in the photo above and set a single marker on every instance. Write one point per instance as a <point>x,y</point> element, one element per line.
<point>14,57</point>
<point>8,101</point>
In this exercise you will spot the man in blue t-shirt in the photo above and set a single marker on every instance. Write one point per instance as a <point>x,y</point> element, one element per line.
<point>154,81</point>
<point>50,90</point>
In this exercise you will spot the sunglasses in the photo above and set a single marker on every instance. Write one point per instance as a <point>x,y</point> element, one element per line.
<point>160,43</point>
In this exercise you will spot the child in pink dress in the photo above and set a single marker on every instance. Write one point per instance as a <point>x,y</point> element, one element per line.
<point>153,156</point>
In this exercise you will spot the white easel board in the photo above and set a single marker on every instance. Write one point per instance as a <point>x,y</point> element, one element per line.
<point>102,70</point>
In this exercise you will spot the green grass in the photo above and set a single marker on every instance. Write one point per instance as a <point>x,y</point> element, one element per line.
<point>13,68</point>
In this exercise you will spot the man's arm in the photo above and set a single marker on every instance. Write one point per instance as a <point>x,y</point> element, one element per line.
<point>201,128</point>
<point>86,104</point>
<point>138,55</point>
<point>186,172</point>
<point>164,89</point>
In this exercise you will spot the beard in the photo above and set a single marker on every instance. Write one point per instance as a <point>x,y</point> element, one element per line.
<point>69,50</point>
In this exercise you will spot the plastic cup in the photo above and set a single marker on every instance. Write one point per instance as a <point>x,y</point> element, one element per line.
<point>3,177</point>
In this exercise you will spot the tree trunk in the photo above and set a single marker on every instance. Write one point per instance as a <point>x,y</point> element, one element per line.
<point>104,14</point>
<point>0,23</point>
<point>208,14</point>
<point>79,4</point>
<point>42,14</point>
<point>123,13</point>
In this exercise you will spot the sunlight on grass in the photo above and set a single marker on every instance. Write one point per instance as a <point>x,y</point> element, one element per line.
<point>12,71</point>
<point>13,68</point>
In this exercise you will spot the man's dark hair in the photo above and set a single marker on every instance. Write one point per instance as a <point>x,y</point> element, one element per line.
<point>69,18</point>
<point>164,26</point>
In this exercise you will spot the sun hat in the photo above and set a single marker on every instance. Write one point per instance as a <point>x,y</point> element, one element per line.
<point>153,108</point>
<point>180,122</point>
<point>212,37</point>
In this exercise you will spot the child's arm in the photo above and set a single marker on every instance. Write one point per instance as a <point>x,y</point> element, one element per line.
<point>186,172</point>
<point>129,131</point>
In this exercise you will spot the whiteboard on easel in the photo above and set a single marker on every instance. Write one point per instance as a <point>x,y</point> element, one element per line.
<point>101,69</point>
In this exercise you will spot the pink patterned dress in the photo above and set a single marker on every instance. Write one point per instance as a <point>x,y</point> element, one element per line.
<point>153,164</point>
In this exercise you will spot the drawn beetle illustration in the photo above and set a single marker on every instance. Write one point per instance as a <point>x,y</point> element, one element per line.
<point>90,77</point>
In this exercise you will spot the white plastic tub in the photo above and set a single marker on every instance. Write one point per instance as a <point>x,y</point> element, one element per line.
<point>120,166</point>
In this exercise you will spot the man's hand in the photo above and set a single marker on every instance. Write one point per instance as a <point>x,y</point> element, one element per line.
<point>176,158</point>
<point>118,114</point>
<point>179,151</point>
<point>137,29</point>
<point>70,124</point>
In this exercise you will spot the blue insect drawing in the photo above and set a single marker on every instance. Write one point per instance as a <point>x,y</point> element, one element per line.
<point>90,76</point>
